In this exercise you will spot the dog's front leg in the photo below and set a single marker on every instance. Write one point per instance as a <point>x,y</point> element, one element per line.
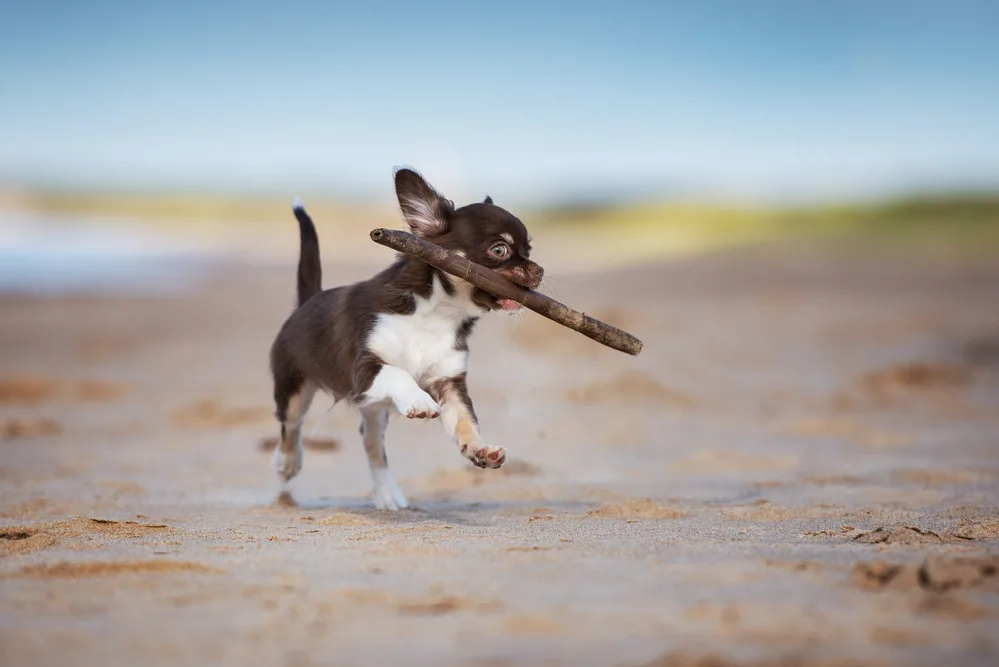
<point>377,382</point>
<point>458,417</point>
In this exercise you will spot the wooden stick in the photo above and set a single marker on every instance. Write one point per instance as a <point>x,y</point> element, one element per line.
<point>500,286</point>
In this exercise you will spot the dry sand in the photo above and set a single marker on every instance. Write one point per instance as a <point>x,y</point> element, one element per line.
<point>802,468</point>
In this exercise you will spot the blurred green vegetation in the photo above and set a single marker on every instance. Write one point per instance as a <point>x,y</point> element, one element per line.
<point>958,221</point>
<point>645,229</point>
<point>183,208</point>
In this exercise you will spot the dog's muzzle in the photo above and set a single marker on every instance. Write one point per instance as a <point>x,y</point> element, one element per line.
<point>528,276</point>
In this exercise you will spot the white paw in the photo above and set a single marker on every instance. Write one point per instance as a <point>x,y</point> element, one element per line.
<point>287,464</point>
<point>485,456</point>
<point>387,494</point>
<point>419,406</point>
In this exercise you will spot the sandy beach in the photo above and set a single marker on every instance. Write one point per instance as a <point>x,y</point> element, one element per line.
<point>801,468</point>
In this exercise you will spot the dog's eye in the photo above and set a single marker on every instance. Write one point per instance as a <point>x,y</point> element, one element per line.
<point>500,250</point>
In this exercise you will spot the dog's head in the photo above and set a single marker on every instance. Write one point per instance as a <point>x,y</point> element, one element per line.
<point>484,233</point>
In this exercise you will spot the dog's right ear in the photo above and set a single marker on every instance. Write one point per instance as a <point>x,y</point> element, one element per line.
<point>426,211</point>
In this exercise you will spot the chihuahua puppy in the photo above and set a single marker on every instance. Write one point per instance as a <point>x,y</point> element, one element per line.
<point>397,342</point>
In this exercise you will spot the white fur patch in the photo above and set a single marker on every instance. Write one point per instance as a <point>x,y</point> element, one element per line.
<point>297,204</point>
<point>397,386</point>
<point>386,493</point>
<point>423,344</point>
<point>288,464</point>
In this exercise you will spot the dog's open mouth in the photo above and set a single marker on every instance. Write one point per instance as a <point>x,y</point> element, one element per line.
<point>508,304</point>
<point>496,303</point>
<point>491,302</point>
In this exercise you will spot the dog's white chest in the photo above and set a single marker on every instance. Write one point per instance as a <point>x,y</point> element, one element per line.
<point>423,344</point>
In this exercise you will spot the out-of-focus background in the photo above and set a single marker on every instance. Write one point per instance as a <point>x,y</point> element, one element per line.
<point>664,127</point>
<point>795,205</point>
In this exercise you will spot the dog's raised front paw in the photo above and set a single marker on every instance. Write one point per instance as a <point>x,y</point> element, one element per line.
<point>287,464</point>
<point>485,456</point>
<point>421,407</point>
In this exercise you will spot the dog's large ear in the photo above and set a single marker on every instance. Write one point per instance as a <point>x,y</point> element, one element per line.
<point>426,211</point>
<point>488,200</point>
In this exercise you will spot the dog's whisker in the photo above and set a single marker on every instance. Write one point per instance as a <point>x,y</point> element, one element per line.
<point>548,289</point>
<point>560,279</point>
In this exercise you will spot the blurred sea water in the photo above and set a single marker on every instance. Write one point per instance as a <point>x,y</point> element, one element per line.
<point>72,254</point>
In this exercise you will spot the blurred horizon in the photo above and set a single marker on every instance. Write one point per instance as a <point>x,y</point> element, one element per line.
<point>541,103</point>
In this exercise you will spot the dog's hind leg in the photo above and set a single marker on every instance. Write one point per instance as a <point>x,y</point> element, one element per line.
<point>387,494</point>
<point>293,396</point>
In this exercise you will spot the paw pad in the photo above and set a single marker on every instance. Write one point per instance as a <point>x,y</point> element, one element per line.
<point>487,456</point>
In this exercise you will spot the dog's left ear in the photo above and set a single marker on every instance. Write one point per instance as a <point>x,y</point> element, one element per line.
<point>426,211</point>
<point>488,200</point>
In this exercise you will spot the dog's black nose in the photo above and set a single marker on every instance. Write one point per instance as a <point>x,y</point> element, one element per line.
<point>534,274</point>
<point>526,275</point>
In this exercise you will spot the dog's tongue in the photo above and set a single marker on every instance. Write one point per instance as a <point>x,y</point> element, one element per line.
<point>508,304</point>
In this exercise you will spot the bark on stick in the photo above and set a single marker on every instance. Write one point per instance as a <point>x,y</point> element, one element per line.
<point>500,286</point>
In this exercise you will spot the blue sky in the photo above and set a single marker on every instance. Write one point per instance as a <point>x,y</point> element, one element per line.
<point>521,99</point>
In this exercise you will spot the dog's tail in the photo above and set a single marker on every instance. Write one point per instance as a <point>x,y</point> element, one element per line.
<point>310,271</point>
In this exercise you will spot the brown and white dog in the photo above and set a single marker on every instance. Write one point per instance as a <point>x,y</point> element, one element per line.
<point>399,340</point>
